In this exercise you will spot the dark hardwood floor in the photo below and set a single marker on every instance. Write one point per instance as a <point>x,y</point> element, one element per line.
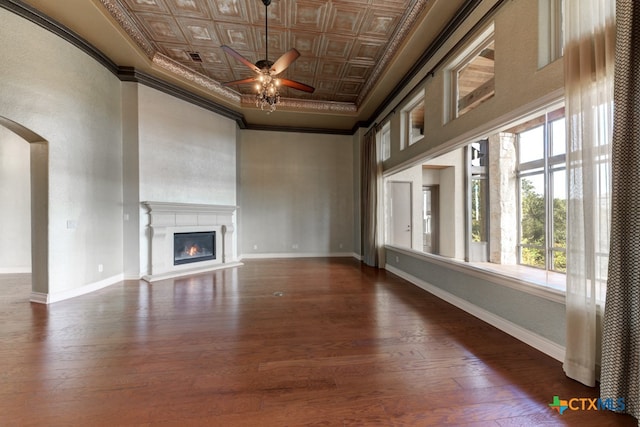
<point>343,345</point>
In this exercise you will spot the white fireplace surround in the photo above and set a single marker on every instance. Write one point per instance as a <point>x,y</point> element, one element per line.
<point>165,219</point>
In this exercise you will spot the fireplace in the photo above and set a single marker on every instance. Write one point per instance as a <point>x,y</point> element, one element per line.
<point>186,238</point>
<point>194,247</point>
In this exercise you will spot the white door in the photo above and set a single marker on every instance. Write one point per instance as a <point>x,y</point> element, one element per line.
<point>400,213</point>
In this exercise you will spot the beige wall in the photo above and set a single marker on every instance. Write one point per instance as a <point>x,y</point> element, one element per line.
<point>187,153</point>
<point>296,194</point>
<point>15,214</point>
<point>73,103</point>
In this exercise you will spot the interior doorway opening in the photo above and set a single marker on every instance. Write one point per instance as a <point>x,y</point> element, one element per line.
<point>36,173</point>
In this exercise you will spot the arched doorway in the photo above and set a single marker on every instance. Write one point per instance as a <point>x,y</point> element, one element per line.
<point>39,178</point>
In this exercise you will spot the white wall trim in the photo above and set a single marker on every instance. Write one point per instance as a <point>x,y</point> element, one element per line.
<point>300,255</point>
<point>15,270</point>
<point>39,298</point>
<point>536,341</point>
<point>43,298</point>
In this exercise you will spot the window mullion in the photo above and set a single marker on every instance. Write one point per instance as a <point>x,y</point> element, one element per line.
<point>548,195</point>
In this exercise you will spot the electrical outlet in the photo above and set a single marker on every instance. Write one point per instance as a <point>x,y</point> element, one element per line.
<point>397,259</point>
<point>255,247</point>
<point>100,268</point>
<point>294,246</point>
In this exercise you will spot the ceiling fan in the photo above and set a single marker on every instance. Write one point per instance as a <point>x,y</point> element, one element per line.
<point>266,80</point>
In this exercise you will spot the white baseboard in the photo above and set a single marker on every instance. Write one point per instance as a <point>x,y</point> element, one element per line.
<point>39,297</point>
<point>536,341</point>
<point>42,298</point>
<point>15,270</point>
<point>300,255</point>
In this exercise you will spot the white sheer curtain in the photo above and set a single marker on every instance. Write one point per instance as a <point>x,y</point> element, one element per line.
<point>589,65</point>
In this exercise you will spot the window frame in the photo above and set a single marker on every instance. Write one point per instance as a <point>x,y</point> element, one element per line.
<point>550,31</point>
<point>481,42</point>
<point>385,141</point>
<point>407,119</point>
<point>480,173</point>
<point>546,167</point>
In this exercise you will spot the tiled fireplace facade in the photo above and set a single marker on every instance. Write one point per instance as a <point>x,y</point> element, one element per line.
<point>169,219</point>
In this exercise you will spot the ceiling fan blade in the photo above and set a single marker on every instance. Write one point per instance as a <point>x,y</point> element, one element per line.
<point>239,82</point>
<point>296,85</point>
<point>240,58</point>
<point>284,61</point>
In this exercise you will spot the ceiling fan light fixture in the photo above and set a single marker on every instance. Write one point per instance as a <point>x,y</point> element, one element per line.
<point>268,93</point>
<point>267,85</point>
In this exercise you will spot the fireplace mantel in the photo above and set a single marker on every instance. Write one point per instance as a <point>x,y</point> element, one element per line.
<point>180,208</point>
<point>167,218</point>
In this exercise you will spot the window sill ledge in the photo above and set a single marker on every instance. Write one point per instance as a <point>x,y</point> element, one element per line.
<point>534,285</point>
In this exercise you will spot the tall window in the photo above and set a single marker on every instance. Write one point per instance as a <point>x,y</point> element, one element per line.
<point>542,182</point>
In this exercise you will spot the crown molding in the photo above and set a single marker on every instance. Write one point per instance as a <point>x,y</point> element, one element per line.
<point>130,74</point>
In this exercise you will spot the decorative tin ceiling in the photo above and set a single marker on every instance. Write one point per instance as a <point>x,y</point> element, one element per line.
<point>345,45</point>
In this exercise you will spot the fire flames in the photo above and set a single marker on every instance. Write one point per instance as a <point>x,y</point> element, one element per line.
<point>192,250</point>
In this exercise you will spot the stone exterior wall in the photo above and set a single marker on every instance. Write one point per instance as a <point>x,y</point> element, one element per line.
<point>503,201</point>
